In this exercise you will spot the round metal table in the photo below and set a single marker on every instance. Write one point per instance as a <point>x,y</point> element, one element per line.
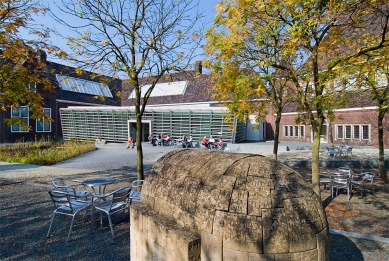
<point>98,182</point>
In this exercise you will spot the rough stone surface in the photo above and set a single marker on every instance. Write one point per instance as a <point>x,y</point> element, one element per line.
<point>202,205</point>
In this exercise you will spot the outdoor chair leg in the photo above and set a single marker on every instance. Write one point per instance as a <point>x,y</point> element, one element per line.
<point>110,225</point>
<point>70,229</point>
<point>51,223</point>
<point>101,220</point>
<point>372,191</point>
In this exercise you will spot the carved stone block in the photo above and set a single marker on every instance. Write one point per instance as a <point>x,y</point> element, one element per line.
<point>211,247</point>
<point>227,206</point>
<point>238,203</point>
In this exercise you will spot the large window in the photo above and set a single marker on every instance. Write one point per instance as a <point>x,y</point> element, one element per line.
<point>43,125</point>
<point>354,132</point>
<point>294,131</point>
<point>20,112</point>
<point>347,132</point>
<point>72,84</point>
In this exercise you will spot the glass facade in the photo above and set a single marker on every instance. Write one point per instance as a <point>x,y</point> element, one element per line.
<point>111,124</point>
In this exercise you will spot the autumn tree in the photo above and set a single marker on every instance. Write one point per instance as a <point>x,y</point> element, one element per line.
<point>21,63</point>
<point>311,31</point>
<point>373,84</point>
<point>365,59</point>
<point>134,39</point>
<point>241,61</point>
<point>375,77</point>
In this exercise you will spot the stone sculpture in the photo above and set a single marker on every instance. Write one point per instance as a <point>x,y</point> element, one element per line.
<point>208,205</point>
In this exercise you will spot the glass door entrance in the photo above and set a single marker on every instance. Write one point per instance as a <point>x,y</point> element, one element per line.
<point>145,130</point>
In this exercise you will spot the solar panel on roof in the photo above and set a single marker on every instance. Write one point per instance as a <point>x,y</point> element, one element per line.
<point>72,84</point>
<point>163,89</point>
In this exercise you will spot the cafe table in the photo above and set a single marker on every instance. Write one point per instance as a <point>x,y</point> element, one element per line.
<point>101,183</point>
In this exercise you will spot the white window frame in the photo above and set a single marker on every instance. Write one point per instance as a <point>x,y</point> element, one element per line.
<point>294,131</point>
<point>363,131</point>
<point>18,111</point>
<point>347,132</point>
<point>355,128</point>
<point>339,132</point>
<point>302,131</point>
<point>48,112</point>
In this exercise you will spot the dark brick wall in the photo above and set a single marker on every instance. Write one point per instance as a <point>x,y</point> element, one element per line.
<point>67,98</point>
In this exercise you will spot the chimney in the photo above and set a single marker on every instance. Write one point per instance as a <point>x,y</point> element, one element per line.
<point>198,67</point>
<point>42,56</point>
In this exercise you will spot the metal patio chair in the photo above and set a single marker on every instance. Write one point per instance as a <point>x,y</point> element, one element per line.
<point>112,203</point>
<point>325,179</point>
<point>349,150</point>
<point>344,170</point>
<point>136,190</point>
<point>365,183</point>
<point>65,205</point>
<point>340,181</point>
<point>331,152</point>
<point>63,184</point>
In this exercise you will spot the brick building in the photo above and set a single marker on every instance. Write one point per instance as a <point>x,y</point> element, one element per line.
<point>70,89</point>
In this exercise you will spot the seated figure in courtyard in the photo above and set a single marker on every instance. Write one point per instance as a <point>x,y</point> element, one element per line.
<point>220,143</point>
<point>166,141</point>
<point>189,142</point>
<point>211,142</point>
<point>184,141</point>
<point>204,142</point>
<point>130,143</point>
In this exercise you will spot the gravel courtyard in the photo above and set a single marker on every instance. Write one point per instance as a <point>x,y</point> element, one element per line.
<point>25,210</point>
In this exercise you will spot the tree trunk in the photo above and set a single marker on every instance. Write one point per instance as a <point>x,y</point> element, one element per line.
<point>276,136</point>
<point>381,154</point>
<point>139,151</point>
<point>315,161</point>
<point>331,134</point>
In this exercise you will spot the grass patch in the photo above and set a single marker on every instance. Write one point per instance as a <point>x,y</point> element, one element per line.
<point>44,153</point>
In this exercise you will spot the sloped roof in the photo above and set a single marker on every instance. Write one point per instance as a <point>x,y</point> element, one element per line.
<point>198,89</point>
<point>354,100</point>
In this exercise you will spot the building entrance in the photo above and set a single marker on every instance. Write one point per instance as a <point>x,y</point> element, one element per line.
<point>145,130</point>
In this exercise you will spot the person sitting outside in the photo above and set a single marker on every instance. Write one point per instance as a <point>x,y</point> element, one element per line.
<point>161,139</point>
<point>220,143</point>
<point>189,142</point>
<point>211,142</point>
<point>130,143</point>
<point>184,141</point>
<point>205,142</point>
<point>166,140</point>
<point>152,140</point>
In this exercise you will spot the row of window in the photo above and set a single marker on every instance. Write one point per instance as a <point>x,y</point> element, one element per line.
<point>294,131</point>
<point>343,132</point>
<point>22,112</point>
<point>353,132</point>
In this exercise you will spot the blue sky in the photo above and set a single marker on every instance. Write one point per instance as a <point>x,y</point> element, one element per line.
<point>206,5</point>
